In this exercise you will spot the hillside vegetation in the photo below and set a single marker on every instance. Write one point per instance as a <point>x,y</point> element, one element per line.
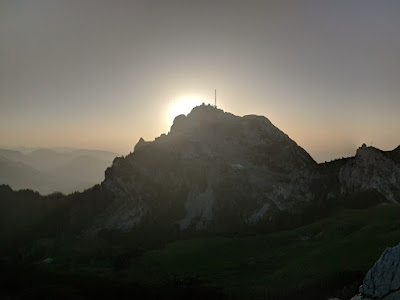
<point>326,258</point>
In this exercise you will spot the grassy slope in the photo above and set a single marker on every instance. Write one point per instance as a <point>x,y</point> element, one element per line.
<point>328,250</point>
<point>310,261</point>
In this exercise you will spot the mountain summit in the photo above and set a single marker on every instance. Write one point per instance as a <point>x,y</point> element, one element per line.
<point>213,169</point>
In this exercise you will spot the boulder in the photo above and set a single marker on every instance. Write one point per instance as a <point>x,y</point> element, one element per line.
<point>383,279</point>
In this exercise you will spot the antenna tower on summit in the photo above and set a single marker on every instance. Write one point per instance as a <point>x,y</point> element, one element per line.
<point>215,99</point>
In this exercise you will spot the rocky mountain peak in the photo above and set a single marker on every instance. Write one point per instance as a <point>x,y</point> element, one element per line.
<point>200,116</point>
<point>211,166</point>
<point>219,132</point>
<point>372,169</point>
<point>369,155</point>
<point>140,144</point>
<point>209,118</point>
<point>218,171</point>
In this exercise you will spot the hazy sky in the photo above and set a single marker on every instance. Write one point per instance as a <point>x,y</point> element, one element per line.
<point>102,74</point>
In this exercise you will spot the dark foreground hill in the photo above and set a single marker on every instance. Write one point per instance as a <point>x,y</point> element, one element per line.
<point>329,257</point>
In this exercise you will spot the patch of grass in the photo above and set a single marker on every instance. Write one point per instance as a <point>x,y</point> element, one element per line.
<point>326,258</point>
<point>318,254</point>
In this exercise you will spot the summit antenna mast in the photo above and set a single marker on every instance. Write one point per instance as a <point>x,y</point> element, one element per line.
<point>215,99</point>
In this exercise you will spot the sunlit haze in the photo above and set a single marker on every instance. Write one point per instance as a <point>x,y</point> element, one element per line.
<point>102,74</point>
<point>183,106</point>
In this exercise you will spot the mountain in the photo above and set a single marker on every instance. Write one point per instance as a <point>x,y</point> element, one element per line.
<point>19,175</point>
<point>13,155</point>
<point>217,172</point>
<point>213,170</point>
<point>373,169</point>
<point>50,170</point>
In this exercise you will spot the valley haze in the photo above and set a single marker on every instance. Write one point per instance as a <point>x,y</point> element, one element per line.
<point>47,170</point>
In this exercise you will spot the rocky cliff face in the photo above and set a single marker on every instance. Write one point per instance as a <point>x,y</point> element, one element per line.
<point>212,169</point>
<point>383,279</point>
<point>372,169</point>
<point>217,171</point>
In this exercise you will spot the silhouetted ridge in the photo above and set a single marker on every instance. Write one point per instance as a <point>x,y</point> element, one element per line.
<point>212,170</point>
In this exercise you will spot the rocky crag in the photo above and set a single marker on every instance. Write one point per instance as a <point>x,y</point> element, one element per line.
<point>210,170</point>
<point>217,171</point>
<point>383,279</point>
<point>372,169</point>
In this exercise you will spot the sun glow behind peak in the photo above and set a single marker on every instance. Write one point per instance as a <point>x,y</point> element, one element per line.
<point>183,107</point>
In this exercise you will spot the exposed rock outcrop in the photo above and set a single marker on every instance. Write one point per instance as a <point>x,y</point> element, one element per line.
<point>217,171</point>
<point>372,169</point>
<point>383,279</point>
<point>213,168</point>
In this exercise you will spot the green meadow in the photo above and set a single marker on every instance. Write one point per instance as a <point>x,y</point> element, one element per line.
<point>329,257</point>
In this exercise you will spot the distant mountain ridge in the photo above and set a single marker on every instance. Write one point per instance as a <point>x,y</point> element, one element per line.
<point>50,170</point>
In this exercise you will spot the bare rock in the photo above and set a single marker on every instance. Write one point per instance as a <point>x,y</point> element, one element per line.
<point>360,297</point>
<point>383,279</point>
<point>211,167</point>
<point>371,169</point>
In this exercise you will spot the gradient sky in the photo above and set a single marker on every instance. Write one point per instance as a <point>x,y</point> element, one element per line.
<point>102,74</point>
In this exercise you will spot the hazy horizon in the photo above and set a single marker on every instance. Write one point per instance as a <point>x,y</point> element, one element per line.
<point>100,75</point>
<point>326,156</point>
<point>27,149</point>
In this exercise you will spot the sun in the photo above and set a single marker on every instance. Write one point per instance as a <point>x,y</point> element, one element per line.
<point>183,107</point>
